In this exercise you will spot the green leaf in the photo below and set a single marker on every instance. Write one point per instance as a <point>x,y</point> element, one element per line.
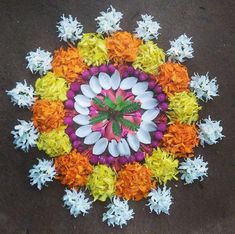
<point>130,125</point>
<point>98,102</point>
<point>102,116</point>
<point>116,128</point>
<point>109,103</point>
<point>131,107</point>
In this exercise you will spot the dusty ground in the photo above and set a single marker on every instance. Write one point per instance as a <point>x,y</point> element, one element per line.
<point>206,207</point>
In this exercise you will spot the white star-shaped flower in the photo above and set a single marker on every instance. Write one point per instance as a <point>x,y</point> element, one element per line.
<point>69,29</point>
<point>22,95</point>
<point>160,200</point>
<point>147,29</point>
<point>210,131</point>
<point>109,21</point>
<point>25,135</point>
<point>204,88</point>
<point>193,169</point>
<point>76,202</point>
<point>181,49</point>
<point>118,213</point>
<point>42,173</point>
<point>39,61</point>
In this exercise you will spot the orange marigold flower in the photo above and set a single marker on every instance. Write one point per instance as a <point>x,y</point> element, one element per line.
<point>180,139</point>
<point>68,63</point>
<point>47,115</point>
<point>134,182</point>
<point>173,78</point>
<point>73,169</point>
<point>123,47</point>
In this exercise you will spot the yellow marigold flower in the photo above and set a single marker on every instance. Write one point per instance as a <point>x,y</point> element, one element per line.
<point>163,165</point>
<point>92,48</point>
<point>183,107</point>
<point>51,87</point>
<point>101,182</point>
<point>149,58</point>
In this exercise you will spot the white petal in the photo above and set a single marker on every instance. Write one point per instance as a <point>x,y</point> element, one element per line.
<point>82,100</point>
<point>128,83</point>
<point>150,115</point>
<point>95,85</point>
<point>149,104</point>
<point>140,88</point>
<point>92,138</point>
<point>148,126</point>
<point>113,150</point>
<point>144,96</point>
<point>115,80</point>
<point>82,119</point>
<point>100,146</point>
<point>143,136</point>
<point>104,80</point>
<point>133,142</point>
<point>123,148</point>
<point>83,131</point>
<point>86,90</point>
<point>81,110</point>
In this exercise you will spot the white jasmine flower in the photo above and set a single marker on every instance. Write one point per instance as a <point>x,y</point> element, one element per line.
<point>41,173</point>
<point>22,95</point>
<point>160,200</point>
<point>193,169</point>
<point>210,131</point>
<point>118,212</point>
<point>25,135</point>
<point>39,61</point>
<point>69,29</point>
<point>204,88</point>
<point>181,49</point>
<point>109,21</point>
<point>147,28</point>
<point>76,202</point>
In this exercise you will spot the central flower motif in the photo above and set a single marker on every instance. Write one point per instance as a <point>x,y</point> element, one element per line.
<point>116,113</point>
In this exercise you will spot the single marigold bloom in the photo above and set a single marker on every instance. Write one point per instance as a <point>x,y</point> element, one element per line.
<point>149,58</point>
<point>180,139</point>
<point>183,107</point>
<point>173,78</point>
<point>55,142</point>
<point>68,63</point>
<point>134,182</point>
<point>101,182</point>
<point>163,165</point>
<point>93,49</point>
<point>123,47</point>
<point>73,169</point>
<point>47,115</point>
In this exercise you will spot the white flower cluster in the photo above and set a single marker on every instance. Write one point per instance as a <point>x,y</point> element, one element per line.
<point>210,131</point>
<point>25,135</point>
<point>147,28</point>
<point>118,212</point>
<point>181,49</point>
<point>41,173</point>
<point>22,95</point>
<point>39,61</point>
<point>160,200</point>
<point>76,202</point>
<point>69,29</point>
<point>204,88</point>
<point>193,169</point>
<point>109,21</point>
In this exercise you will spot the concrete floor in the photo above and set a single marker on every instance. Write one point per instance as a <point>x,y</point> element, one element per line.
<point>206,207</point>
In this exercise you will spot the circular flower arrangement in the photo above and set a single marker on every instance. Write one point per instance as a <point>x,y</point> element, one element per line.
<point>115,116</point>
